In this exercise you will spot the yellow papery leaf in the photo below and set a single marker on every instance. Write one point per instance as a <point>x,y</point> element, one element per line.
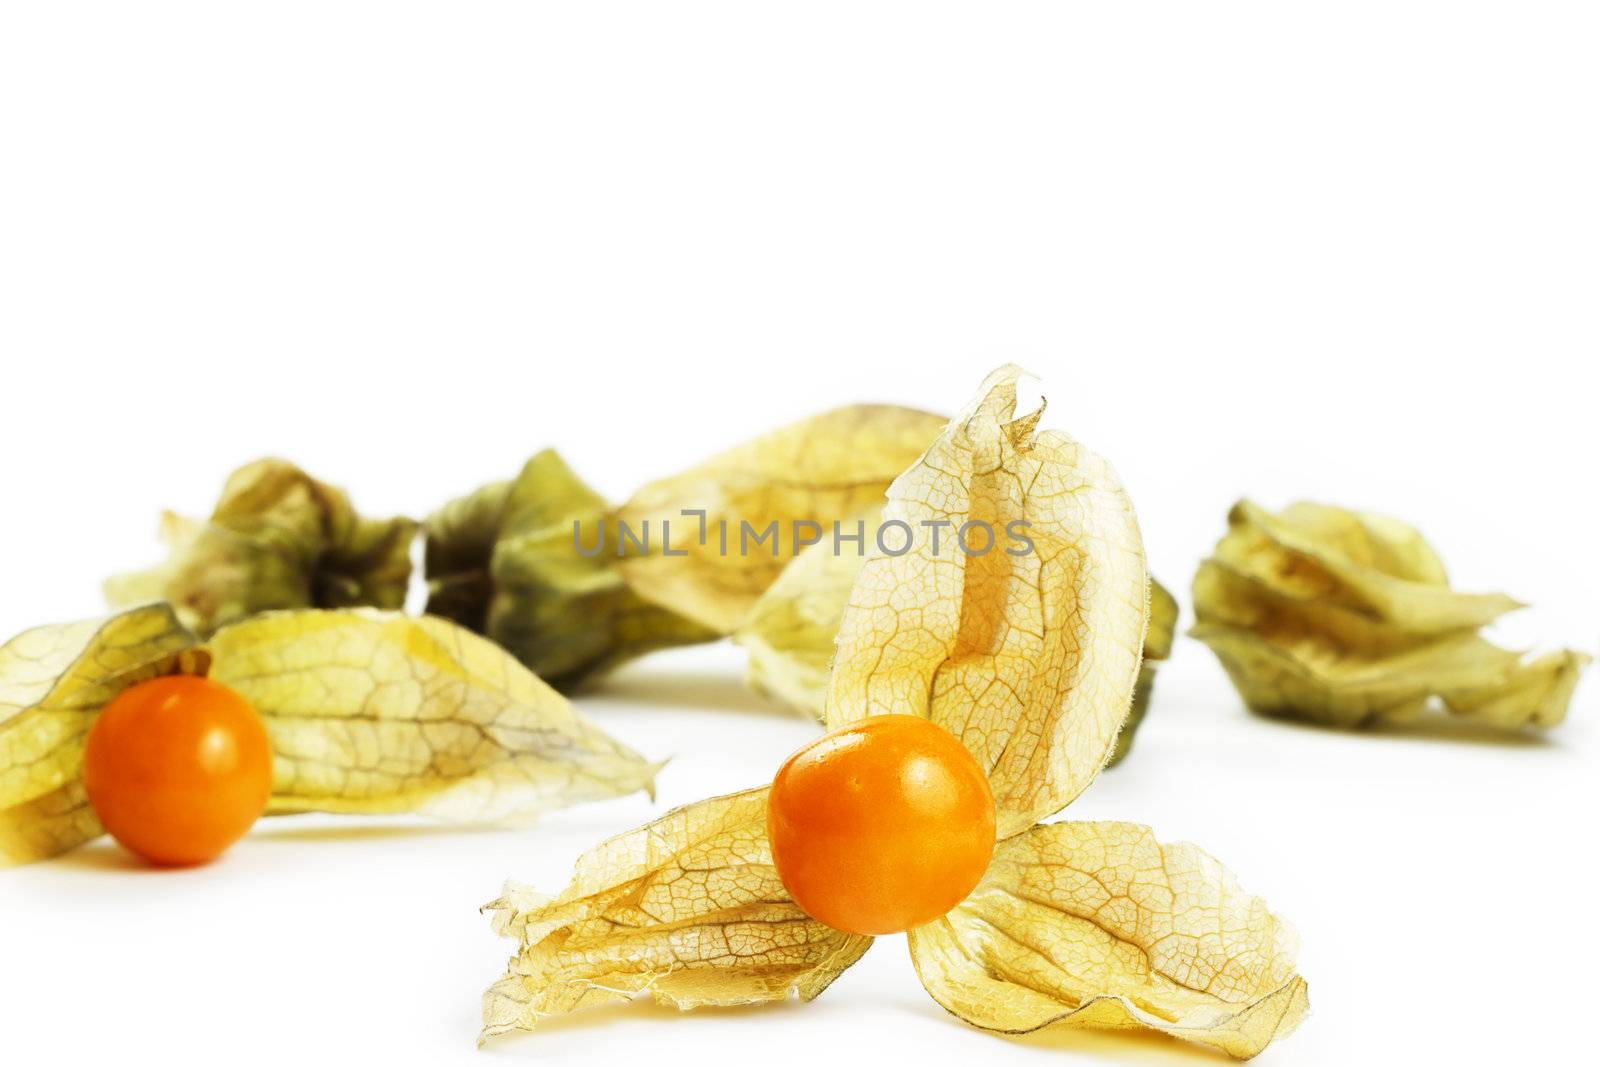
<point>818,471</point>
<point>790,633</point>
<point>47,825</point>
<point>53,682</point>
<point>1028,656</point>
<point>1098,924</point>
<point>277,539</point>
<point>688,908</point>
<point>1346,619</point>
<point>373,711</point>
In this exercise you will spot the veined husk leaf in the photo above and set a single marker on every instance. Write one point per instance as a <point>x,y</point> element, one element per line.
<point>53,682</point>
<point>502,562</point>
<point>790,633</point>
<point>688,908</point>
<point>373,711</point>
<point>1099,924</point>
<point>1030,659</point>
<point>821,470</point>
<point>277,539</point>
<point>1346,619</point>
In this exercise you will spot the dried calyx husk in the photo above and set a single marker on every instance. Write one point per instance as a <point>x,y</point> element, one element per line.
<point>368,712</point>
<point>1347,618</point>
<point>789,633</point>
<point>572,587</point>
<point>502,562</point>
<point>1031,660</point>
<point>277,539</point>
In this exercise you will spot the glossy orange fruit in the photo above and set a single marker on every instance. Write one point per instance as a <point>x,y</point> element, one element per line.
<point>881,825</point>
<point>178,769</point>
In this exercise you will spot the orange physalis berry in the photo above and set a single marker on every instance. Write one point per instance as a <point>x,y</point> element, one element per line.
<point>881,825</point>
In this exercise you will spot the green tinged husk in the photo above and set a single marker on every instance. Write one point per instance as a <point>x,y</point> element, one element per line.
<point>277,539</point>
<point>502,562</point>
<point>1346,618</point>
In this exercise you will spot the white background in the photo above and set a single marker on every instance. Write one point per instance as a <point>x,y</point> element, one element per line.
<point>1346,253</point>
